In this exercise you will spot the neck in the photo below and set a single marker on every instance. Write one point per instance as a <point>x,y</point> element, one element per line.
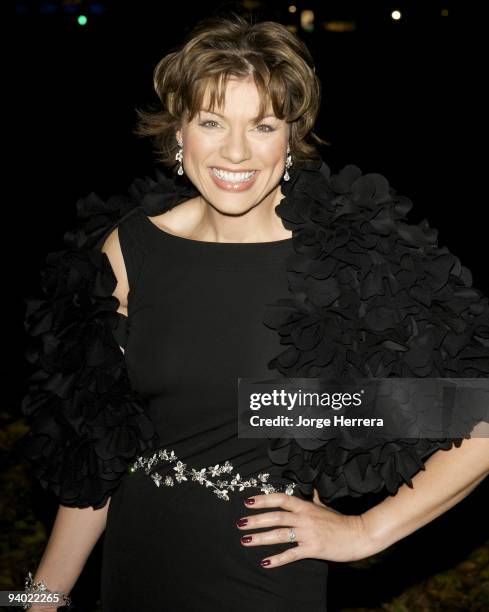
<point>260,223</point>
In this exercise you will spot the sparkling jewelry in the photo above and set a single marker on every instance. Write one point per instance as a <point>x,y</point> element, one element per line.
<point>179,157</point>
<point>221,488</point>
<point>292,536</point>
<point>40,587</point>
<point>288,164</point>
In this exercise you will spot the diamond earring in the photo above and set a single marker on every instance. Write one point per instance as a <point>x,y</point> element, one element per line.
<point>288,163</point>
<point>179,157</point>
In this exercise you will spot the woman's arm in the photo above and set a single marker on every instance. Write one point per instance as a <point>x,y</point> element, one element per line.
<point>73,537</point>
<point>449,476</point>
<point>76,530</point>
<point>325,533</point>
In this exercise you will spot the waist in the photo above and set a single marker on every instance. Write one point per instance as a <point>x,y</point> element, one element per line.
<point>166,469</point>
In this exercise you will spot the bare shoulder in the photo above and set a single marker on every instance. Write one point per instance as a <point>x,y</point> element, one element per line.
<point>182,219</point>
<point>112,248</point>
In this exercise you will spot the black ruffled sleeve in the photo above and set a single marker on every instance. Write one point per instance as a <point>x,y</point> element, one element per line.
<point>86,424</point>
<point>372,296</point>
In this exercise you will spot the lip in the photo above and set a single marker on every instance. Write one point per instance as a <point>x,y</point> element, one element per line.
<point>233,187</point>
<point>234,169</point>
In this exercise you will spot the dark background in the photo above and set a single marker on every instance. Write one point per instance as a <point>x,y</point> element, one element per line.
<point>402,98</point>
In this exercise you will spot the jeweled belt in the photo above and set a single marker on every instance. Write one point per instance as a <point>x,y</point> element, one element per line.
<point>221,487</point>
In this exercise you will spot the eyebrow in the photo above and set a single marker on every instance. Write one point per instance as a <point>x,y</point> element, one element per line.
<point>223,117</point>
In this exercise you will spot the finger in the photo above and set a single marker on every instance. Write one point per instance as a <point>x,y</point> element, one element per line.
<point>275,536</point>
<point>291,554</point>
<point>275,500</point>
<point>277,518</point>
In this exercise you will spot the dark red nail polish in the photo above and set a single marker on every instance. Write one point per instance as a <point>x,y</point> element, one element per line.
<point>242,522</point>
<point>246,539</point>
<point>250,501</point>
<point>266,562</point>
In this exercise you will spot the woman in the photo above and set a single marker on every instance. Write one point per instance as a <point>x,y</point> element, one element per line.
<point>253,259</point>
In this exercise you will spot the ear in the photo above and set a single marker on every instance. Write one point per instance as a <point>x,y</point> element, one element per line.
<point>178,135</point>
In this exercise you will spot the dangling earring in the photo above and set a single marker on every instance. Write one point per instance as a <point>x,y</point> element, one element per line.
<point>179,157</point>
<point>288,163</point>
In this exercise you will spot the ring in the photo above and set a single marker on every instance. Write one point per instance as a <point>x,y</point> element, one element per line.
<point>292,535</point>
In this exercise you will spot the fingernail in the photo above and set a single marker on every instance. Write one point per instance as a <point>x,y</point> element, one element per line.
<point>241,522</point>
<point>265,562</point>
<point>246,539</point>
<point>249,501</point>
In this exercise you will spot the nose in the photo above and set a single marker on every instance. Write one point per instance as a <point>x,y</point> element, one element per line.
<point>236,147</point>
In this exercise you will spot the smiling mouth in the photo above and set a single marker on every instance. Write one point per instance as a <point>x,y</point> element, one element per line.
<point>233,177</point>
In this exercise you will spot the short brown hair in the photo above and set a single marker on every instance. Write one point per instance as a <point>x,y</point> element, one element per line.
<point>218,48</point>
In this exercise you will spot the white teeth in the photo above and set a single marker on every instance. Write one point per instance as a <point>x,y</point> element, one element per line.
<point>233,177</point>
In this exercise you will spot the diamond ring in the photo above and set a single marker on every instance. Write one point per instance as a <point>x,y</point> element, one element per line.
<point>292,536</point>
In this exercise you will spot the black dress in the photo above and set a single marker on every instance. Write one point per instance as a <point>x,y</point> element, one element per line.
<point>195,325</point>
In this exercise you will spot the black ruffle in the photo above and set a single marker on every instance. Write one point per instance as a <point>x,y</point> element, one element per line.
<point>86,423</point>
<point>370,296</point>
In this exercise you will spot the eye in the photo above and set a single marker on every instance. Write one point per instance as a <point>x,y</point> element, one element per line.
<point>265,125</point>
<point>203,124</point>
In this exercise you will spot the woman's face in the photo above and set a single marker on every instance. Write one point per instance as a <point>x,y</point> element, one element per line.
<point>232,162</point>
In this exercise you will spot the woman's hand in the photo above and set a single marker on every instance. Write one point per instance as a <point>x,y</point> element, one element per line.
<point>321,532</point>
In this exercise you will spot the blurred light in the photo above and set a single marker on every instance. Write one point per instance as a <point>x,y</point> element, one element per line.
<point>444,12</point>
<point>48,8</point>
<point>97,9</point>
<point>82,20</point>
<point>251,4</point>
<point>307,21</point>
<point>396,15</point>
<point>292,28</point>
<point>340,26</point>
<point>292,8</point>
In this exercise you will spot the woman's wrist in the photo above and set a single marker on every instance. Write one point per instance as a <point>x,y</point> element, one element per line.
<point>373,540</point>
<point>38,586</point>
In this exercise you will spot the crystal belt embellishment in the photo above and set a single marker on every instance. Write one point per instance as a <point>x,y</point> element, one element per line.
<point>221,487</point>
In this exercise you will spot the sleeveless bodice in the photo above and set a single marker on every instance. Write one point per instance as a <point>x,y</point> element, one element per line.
<point>196,313</point>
